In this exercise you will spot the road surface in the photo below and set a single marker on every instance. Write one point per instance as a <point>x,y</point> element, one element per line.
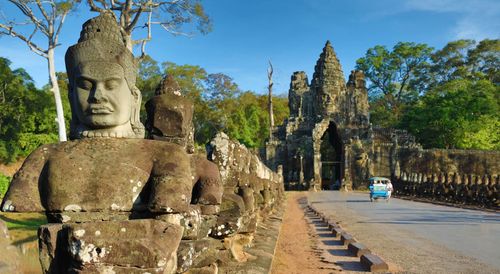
<point>418,237</point>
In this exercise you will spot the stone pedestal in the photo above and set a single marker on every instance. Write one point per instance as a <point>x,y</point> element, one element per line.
<point>133,246</point>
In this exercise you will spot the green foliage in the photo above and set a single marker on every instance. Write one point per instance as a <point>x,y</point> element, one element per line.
<point>180,17</point>
<point>458,114</point>
<point>249,121</point>
<point>219,104</point>
<point>4,184</point>
<point>483,133</point>
<point>484,60</point>
<point>448,98</point>
<point>461,59</point>
<point>25,221</point>
<point>179,13</point>
<point>148,77</point>
<point>27,115</point>
<point>65,5</point>
<point>381,114</point>
<point>391,75</point>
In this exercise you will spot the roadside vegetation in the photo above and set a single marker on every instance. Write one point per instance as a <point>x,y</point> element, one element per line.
<point>447,98</point>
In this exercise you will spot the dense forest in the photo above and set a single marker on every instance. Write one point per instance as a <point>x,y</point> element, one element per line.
<point>447,98</point>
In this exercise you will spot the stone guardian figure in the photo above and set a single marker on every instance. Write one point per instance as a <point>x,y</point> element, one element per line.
<point>109,191</point>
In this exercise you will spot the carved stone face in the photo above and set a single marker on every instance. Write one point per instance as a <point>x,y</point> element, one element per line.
<point>101,96</point>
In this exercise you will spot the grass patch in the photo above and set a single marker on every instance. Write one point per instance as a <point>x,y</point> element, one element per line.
<point>23,220</point>
<point>4,184</point>
<point>23,229</point>
<point>23,226</point>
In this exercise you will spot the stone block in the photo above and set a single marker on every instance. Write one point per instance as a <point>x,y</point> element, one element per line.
<point>85,217</point>
<point>332,225</point>
<point>232,203</point>
<point>52,239</point>
<point>236,244</point>
<point>347,238</point>
<point>209,209</point>
<point>358,249</point>
<point>198,254</point>
<point>248,223</point>
<point>337,231</point>
<point>373,263</point>
<point>170,115</point>
<point>148,245</point>
<point>211,269</point>
<point>230,218</point>
<point>196,226</point>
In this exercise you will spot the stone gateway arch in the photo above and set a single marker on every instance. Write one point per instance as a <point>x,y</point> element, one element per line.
<point>327,116</point>
<point>328,141</point>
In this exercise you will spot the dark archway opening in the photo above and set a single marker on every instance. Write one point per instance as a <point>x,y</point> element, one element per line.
<point>331,159</point>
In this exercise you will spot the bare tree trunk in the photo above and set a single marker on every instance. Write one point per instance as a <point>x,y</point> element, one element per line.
<point>128,41</point>
<point>57,96</point>
<point>270,100</point>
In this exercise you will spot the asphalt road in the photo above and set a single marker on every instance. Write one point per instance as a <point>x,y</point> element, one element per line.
<point>471,233</point>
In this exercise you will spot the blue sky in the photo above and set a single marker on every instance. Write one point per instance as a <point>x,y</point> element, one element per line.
<point>291,33</point>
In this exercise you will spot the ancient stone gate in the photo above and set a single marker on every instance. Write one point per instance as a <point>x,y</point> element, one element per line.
<point>328,141</point>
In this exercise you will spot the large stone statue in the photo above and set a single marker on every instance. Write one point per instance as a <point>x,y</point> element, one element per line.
<point>111,173</point>
<point>102,173</point>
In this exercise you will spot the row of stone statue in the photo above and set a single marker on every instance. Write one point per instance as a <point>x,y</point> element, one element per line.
<point>123,197</point>
<point>467,189</point>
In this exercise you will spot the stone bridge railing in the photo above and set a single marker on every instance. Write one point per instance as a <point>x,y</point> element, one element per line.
<point>249,185</point>
<point>469,189</point>
<point>203,239</point>
<point>251,192</point>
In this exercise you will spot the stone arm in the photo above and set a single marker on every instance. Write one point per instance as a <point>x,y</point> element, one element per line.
<point>179,179</point>
<point>28,185</point>
<point>208,187</point>
<point>170,182</point>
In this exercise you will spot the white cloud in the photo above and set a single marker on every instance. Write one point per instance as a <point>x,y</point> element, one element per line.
<point>478,19</point>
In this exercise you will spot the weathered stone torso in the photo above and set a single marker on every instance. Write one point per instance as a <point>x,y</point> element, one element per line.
<point>80,175</point>
<point>96,174</point>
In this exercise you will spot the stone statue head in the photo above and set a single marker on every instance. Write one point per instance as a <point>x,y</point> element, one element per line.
<point>102,72</point>
<point>170,115</point>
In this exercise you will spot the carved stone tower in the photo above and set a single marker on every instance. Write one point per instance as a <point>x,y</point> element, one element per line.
<point>314,145</point>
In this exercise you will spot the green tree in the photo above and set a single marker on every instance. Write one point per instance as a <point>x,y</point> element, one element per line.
<point>249,121</point>
<point>219,105</point>
<point>484,60</point>
<point>46,19</point>
<point>391,75</point>
<point>461,59</point>
<point>149,76</point>
<point>446,64</point>
<point>461,113</point>
<point>26,114</point>
<point>4,184</point>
